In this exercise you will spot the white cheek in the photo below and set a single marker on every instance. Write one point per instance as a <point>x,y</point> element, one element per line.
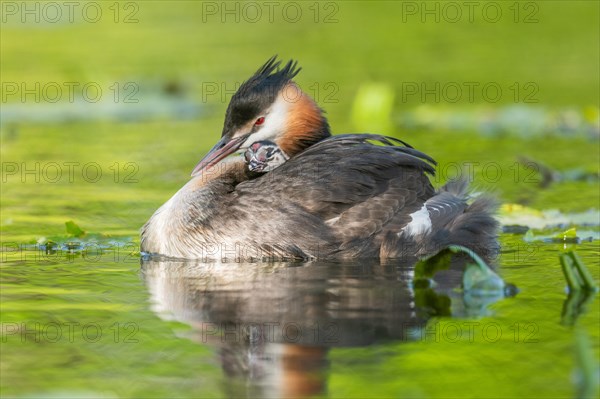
<point>274,124</point>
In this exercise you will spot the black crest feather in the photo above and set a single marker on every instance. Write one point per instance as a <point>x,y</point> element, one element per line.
<point>258,92</point>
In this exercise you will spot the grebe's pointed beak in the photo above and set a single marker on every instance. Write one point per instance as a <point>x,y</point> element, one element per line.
<point>223,148</point>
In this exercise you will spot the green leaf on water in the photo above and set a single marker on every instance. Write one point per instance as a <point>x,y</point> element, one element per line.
<point>567,235</point>
<point>459,248</point>
<point>482,280</point>
<point>576,273</point>
<point>569,272</point>
<point>73,229</point>
<point>428,267</point>
<point>586,277</point>
<point>478,276</point>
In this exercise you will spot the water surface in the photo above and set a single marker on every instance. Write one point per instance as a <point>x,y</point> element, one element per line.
<point>103,324</point>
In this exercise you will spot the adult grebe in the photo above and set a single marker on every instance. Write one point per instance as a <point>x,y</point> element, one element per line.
<point>345,196</point>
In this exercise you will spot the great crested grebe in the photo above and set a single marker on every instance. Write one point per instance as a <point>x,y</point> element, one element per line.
<point>322,196</point>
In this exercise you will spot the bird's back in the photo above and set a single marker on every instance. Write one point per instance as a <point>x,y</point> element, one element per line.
<point>346,193</point>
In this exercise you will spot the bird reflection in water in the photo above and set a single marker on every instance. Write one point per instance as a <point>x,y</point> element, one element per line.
<point>272,324</point>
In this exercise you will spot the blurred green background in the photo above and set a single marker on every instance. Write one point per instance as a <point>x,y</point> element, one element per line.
<point>166,71</point>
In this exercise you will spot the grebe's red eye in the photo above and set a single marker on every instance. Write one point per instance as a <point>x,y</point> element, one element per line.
<point>259,121</point>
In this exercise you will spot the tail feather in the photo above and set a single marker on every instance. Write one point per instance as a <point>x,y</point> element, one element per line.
<point>456,221</point>
<point>476,228</point>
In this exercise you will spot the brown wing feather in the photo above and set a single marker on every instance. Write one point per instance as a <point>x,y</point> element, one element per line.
<point>338,173</point>
<point>356,189</point>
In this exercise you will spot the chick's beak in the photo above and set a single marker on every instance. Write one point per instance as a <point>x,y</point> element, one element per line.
<point>223,148</point>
